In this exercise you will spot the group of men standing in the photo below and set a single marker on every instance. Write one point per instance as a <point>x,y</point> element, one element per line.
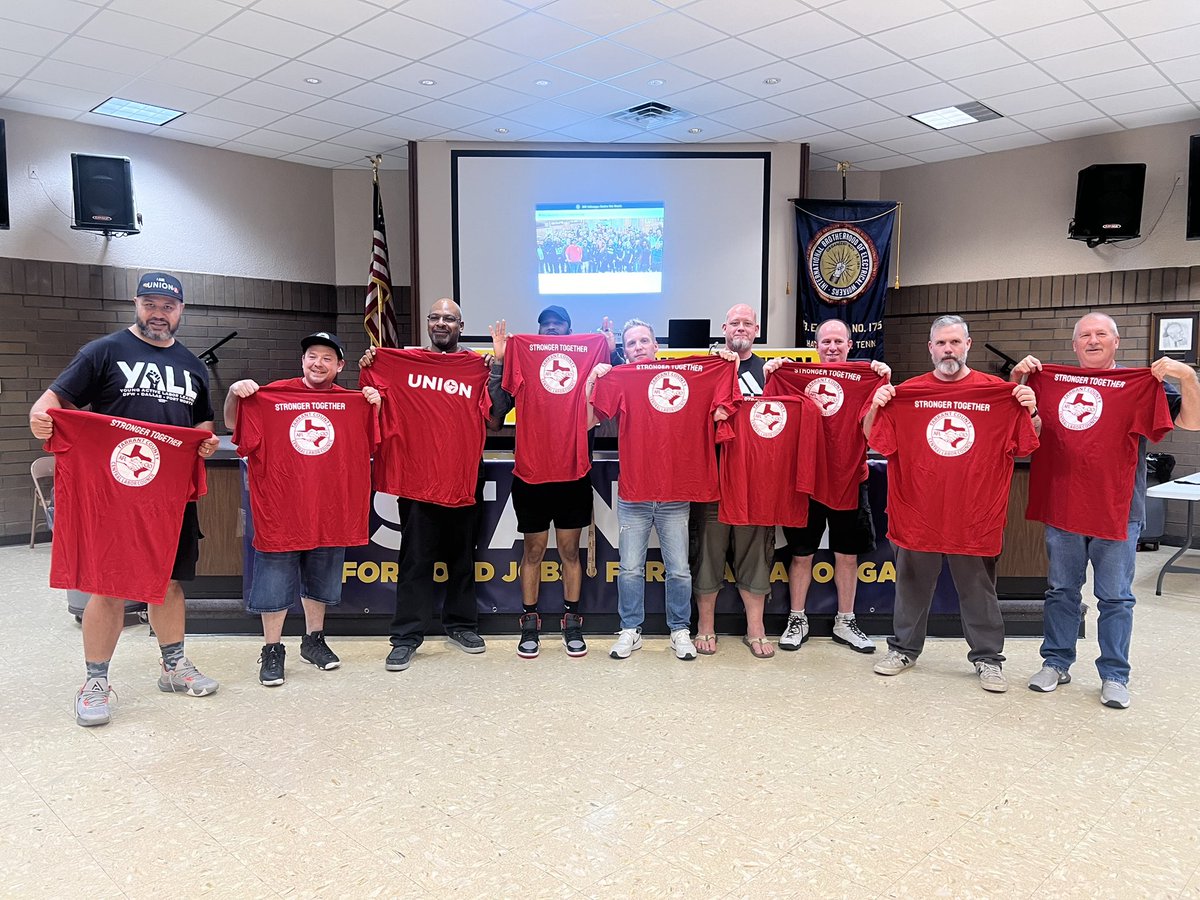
<point>950,437</point>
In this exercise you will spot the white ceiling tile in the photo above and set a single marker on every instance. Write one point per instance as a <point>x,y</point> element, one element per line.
<point>353,58</point>
<point>599,131</point>
<point>752,114</point>
<point>194,123</point>
<point>1009,142</point>
<point>322,15</point>
<point>797,37</point>
<point>57,15</point>
<point>737,137</point>
<point>1182,113</point>
<point>18,64</point>
<point>194,16</point>
<point>858,55</point>
<point>970,60</point>
<point>172,96</point>
<point>724,58</point>
<point>132,32</point>
<point>535,35</point>
<point>737,18</point>
<point>992,128</point>
<point>889,130</point>
<point>243,113</point>
<point>525,79</point>
<point>403,36</point>
<point>250,149</point>
<point>448,115</point>
<point>885,163</point>
<point>888,80</point>
<point>515,131</point>
<point>55,71</point>
<point>796,129</point>
<point>1111,4</point>
<point>1180,70</point>
<point>306,160</point>
<point>1081,129</point>
<point>923,99</point>
<point>650,137</point>
<point>29,38</point>
<point>253,29</point>
<point>791,77</point>
<point>1094,59</point>
<point>1068,114</point>
<point>681,131</point>
<point>943,153</point>
<point>293,74</point>
<point>466,17</point>
<point>188,138</point>
<point>673,78</point>
<point>870,16</point>
<point>56,95</point>
<point>817,97</point>
<point>275,140</point>
<point>833,143</point>
<point>599,99</point>
<point>1123,81</point>
<point>218,54</point>
<point>601,60</point>
<point>1030,100</point>
<point>373,95</point>
<point>602,18</point>
<point>199,78</point>
<point>1170,44</point>
<point>853,114</point>
<point>862,153</point>
<point>1154,16</point>
<point>402,128</point>
<point>367,143</point>
<point>37,109</point>
<point>1006,16</point>
<point>272,96</point>
<point>548,115</point>
<point>930,140</point>
<point>932,35</point>
<point>1136,101</point>
<point>409,78</point>
<point>707,98</point>
<point>1002,81</point>
<point>1076,34</point>
<point>477,60</point>
<point>91,118</point>
<point>86,52</point>
<point>302,126</point>
<point>341,113</point>
<point>669,35</point>
<point>491,98</point>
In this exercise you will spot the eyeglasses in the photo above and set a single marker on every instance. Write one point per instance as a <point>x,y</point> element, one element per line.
<point>434,318</point>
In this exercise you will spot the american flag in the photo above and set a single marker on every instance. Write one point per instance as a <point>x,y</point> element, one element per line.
<point>379,317</point>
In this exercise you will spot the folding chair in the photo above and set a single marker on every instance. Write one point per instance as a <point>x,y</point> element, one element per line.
<point>42,473</point>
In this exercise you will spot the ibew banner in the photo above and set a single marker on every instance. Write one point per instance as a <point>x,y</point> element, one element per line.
<point>845,247</point>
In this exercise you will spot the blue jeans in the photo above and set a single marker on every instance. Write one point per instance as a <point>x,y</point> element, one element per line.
<point>280,578</point>
<point>670,520</point>
<point>1112,583</point>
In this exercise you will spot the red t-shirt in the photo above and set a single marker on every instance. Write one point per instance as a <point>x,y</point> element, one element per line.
<point>1081,480</point>
<point>950,449</point>
<point>666,433</point>
<point>769,458</point>
<point>433,422</point>
<point>120,487</point>
<point>843,394</point>
<point>309,456</point>
<point>546,375</point>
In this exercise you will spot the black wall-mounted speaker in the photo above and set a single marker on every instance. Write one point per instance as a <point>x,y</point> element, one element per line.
<point>103,194</point>
<point>690,333</point>
<point>4,223</point>
<point>1193,189</point>
<point>1108,203</point>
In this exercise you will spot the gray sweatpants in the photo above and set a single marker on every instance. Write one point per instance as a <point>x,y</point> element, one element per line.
<point>974,579</point>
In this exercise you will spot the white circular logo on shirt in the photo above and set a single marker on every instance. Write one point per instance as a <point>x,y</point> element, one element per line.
<point>558,373</point>
<point>311,434</point>
<point>950,433</point>
<point>827,394</point>
<point>668,392</point>
<point>134,462</point>
<point>767,418</point>
<point>1080,408</point>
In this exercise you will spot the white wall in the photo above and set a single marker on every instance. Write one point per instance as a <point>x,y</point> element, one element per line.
<point>205,210</point>
<point>1004,215</point>
<point>352,217</point>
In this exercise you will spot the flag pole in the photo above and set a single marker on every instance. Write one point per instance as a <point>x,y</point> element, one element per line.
<point>375,161</point>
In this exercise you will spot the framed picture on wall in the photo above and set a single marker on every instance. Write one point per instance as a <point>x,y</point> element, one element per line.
<point>1174,334</point>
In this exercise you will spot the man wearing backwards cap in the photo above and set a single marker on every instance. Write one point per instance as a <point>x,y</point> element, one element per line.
<point>143,373</point>
<point>316,574</point>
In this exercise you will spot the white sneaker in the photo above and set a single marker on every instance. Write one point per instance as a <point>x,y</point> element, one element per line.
<point>846,631</point>
<point>628,640</point>
<point>991,677</point>
<point>893,663</point>
<point>795,632</point>
<point>681,643</point>
<point>1114,694</point>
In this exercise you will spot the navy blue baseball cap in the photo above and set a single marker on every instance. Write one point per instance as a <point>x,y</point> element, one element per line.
<point>323,337</point>
<point>160,284</point>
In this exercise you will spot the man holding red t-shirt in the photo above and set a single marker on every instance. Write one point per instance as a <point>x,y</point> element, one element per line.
<point>950,438</point>
<point>1088,483</point>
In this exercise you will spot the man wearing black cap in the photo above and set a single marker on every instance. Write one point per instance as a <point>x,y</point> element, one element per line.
<point>538,504</point>
<point>140,373</point>
<point>315,572</point>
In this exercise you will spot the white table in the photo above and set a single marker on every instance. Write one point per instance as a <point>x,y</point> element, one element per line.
<point>1185,488</point>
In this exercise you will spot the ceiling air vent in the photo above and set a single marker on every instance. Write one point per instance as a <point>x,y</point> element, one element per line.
<point>650,115</point>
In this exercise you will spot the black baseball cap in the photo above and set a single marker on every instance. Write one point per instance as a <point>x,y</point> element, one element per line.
<point>323,337</point>
<point>558,312</point>
<point>159,284</point>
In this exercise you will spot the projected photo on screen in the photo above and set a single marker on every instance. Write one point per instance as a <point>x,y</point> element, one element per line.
<point>599,248</point>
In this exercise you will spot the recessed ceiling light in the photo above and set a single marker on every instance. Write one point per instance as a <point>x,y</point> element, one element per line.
<point>656,82</point>
<point>542,82</point>
<point>501,131</point>
<point>772,80</point>
<point>428,82</point>
<point>695,130</point>
<point>953,116</point>
<point>312,80</point>
<point>137,112</point>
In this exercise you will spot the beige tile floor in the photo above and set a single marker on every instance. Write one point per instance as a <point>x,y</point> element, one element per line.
<point>805,776</point>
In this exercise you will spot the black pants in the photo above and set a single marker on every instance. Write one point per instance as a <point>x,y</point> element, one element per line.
<point>432,534</point>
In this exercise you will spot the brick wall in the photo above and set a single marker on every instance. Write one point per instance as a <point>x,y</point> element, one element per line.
<point>1035,315</point>
<point>49,310</point>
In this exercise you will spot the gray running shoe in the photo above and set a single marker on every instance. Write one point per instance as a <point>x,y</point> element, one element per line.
<point>628,640</point>
<point>185,678</point>
<point>1114,694</point>
<point>893,663</point>
<point>91,703</point>
<point>991,677</point>
<point>1047,679</point>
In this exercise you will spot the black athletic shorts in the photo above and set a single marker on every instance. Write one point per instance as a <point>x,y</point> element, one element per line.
<point>568,504</point>
<point>189,545</point>
<point>851,531</point>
